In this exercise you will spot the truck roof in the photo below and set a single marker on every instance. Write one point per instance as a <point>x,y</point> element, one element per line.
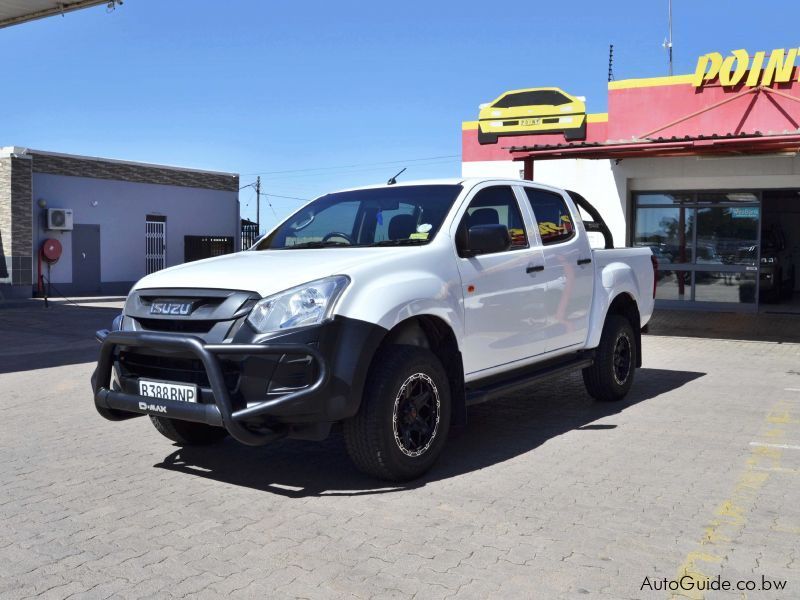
<point>440,181</point>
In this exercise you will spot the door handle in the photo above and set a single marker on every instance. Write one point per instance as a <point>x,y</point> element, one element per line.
<point>584,261</point>
<point>535,269</point>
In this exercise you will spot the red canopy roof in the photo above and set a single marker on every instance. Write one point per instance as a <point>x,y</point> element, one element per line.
<point>730,144</point>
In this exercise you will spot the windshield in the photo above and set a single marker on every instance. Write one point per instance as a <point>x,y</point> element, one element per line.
<point>532,98</point>
<point>397,216</point>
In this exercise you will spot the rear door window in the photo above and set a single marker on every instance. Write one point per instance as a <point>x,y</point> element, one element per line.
<point>555,222</point>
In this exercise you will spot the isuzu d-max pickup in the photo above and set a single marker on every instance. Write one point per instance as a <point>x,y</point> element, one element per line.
<point>388,310</point>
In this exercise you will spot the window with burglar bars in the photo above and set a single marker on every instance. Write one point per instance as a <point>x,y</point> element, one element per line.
<point>198,247</point>
<point>155,243</point>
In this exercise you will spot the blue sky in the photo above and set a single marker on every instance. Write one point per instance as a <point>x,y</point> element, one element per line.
<point>354,90</point>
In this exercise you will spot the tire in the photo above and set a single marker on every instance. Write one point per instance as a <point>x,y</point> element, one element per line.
<point>486,138</point>
<point>186,433</point>
<point>574,135</point>
<point>380,440</point>
<point>778,291</point>
<point>788,287</point>
<point>606,380</point>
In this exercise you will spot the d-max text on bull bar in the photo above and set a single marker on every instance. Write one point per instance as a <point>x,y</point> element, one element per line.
<point>388,309</point>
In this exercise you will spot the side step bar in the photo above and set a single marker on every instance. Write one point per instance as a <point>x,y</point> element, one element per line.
<point>491,387</point>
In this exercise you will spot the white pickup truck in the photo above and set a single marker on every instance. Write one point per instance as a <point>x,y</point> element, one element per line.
<point>388,309</point>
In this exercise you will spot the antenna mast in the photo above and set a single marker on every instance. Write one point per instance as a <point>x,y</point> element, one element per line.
<point>611,62</point>
<point>668,42</point>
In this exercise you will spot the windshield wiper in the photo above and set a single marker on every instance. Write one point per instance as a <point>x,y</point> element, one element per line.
<point>317,244</point>
<point>405,242</point>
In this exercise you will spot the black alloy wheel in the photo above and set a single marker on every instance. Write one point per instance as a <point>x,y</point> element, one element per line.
<point>622,358</point>
<point>415,419</point>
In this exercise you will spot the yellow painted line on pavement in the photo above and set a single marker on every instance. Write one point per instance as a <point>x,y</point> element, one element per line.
<point>794,530</point>
<point>780,415</point>
<point>786,470</point>
<point>730,516</point>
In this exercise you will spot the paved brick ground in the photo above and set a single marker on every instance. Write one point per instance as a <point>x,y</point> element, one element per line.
<point>544,495</point>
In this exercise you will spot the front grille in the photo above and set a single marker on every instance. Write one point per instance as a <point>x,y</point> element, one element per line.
<point>147,300</point>
<point>177,325</point>
<point>215,315</point>
<point>178,369</point>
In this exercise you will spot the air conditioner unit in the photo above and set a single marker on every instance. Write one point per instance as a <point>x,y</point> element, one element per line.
<point>59,219</point>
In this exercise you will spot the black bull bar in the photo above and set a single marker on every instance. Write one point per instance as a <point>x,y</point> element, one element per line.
<point>221,413</point>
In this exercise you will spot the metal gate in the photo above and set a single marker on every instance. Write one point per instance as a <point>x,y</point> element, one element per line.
<point>249,233</point>
<point>155,245</point>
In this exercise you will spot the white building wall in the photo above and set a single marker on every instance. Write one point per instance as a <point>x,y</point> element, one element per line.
<point>507,169</point>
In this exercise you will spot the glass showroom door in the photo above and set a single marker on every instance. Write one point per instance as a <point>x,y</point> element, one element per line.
<point>707,245</point>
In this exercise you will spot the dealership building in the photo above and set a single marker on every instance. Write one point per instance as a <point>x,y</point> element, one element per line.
<point>703,168</point>
<point>94,226</point>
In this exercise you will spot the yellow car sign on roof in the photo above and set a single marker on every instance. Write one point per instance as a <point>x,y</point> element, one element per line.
<point>532,110</point>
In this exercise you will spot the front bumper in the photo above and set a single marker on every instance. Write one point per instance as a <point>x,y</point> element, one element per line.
<point>221,413</point>
<point>547,124</point>
<point>338,354</point>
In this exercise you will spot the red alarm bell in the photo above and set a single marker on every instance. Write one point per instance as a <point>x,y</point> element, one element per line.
<point>51,250</point>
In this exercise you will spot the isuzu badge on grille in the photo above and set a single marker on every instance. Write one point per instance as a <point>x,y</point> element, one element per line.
<point>171,308</point>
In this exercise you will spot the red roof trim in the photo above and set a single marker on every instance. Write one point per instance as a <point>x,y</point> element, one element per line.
<point>731,144</point>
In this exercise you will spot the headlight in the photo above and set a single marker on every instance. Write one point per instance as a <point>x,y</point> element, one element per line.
<point>767,260</point>
<point>307,304</point>
<point>116,324</point>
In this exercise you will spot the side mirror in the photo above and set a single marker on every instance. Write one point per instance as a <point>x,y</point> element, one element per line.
<point>485,239</point>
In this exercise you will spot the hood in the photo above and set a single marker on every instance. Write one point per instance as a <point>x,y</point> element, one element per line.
<point>265,271</point>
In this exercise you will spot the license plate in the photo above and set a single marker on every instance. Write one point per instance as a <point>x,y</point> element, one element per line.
<point>528,122</point>
<point>167,391</point>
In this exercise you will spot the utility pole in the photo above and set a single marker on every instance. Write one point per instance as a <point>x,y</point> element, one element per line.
<point>258,206</point>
